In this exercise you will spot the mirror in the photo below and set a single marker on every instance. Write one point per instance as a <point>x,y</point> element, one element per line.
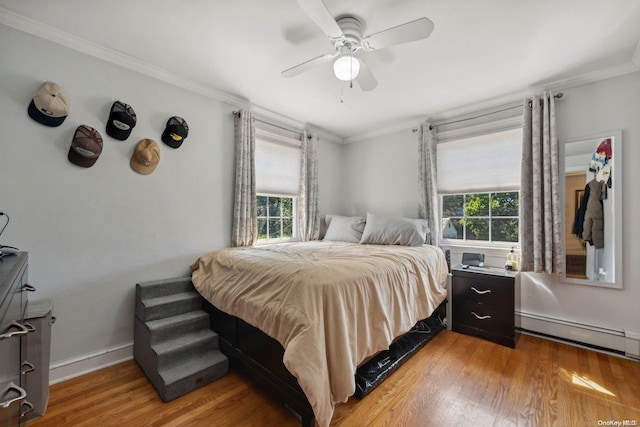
<point>592,209</point>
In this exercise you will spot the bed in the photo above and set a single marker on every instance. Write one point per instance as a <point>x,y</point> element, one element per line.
<point>326,306</point>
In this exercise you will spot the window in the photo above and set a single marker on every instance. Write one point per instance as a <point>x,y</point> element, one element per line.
<point>491,217</point>
<point>276,217</point>
<point>277,183</point>
<point>478,183</point>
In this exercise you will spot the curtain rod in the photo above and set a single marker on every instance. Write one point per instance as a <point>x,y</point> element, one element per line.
<point>414,130</point>
<point>237,114</point>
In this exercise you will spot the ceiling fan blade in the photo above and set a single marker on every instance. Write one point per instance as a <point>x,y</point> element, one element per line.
<point>319,13</point>
<point>301,68</point>
<point>411,31</point>
<point>365,79</point>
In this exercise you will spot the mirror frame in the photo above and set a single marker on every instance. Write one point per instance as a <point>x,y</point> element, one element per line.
<point>616,178</point>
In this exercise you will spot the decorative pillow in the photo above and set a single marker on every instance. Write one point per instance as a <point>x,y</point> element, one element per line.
<point>344,228</point>
<point>393,230</point>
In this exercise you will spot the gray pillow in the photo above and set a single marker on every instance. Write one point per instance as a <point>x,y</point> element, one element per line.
<point>344,228</point>
<point>394,230</point>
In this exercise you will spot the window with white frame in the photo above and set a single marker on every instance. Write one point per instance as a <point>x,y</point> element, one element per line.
<point>478,184</point>
<point>276,217</point>
<point>277,161</point>
<point>491,217</point>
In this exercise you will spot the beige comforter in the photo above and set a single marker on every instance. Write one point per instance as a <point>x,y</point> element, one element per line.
<point>331,305</point>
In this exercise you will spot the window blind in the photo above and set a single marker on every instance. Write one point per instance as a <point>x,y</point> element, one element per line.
<point>489,162</point>
<point>277,164</point>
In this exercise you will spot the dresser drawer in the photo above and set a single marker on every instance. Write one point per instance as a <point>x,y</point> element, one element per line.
<point>484,289</point>
<point>494,319</point>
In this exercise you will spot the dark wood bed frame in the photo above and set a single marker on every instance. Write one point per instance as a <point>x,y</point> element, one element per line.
<point>259,356</point>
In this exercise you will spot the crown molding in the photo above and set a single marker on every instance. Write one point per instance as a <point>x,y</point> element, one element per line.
<point>47,32</point>
<point>405,125</point>
<point>509,99</point>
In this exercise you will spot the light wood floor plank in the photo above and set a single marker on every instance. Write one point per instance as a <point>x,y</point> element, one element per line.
<point>455,380</point>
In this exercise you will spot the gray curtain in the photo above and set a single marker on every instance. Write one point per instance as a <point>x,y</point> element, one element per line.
<point>540,219</point>
<point>427,173</point>
<point>245,224</point>
<point>308,216</point>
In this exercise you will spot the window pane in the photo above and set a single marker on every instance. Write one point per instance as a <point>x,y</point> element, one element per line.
<point>287,228</point>
<point>261,202</point>
<point>452,206</point>
<point>275,217</point>
<point>287,207</point>
<point>452,228</point>
<point>262,229</point>
<point>274,206</point>
<point>477,228</point>
<point>477,205</point>
<point>274,228</point>
<point>504,204</point>
<point>504,230</point>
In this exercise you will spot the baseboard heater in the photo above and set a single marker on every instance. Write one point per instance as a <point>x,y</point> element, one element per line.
<point>571,342</point>
<point>588,336</point>
<point>377,369</point>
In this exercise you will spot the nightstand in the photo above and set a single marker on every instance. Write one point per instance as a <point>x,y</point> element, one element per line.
<point>483,303</point>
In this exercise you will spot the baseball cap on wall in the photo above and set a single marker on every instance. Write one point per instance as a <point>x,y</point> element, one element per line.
<point>146,156</point>
<point>86,146</point>
<point>175,132</point>
<point>122,119</point>
<point>50,105</point>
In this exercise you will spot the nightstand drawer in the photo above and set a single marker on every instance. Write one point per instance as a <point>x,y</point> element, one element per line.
<point>484,289</point>
<point>485,317</point>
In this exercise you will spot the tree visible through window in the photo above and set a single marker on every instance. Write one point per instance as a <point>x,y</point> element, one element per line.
<point>275,217</point>
<point>489,217</point>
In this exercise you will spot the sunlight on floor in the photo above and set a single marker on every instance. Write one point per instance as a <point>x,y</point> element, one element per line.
<point>585,382</point>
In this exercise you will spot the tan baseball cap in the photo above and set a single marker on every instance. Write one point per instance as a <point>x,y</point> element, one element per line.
<point>146,157</point>
<point>86,146</point>
<point>50,105</point>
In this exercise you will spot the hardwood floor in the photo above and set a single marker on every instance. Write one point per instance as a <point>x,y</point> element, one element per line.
<point>455,380</point>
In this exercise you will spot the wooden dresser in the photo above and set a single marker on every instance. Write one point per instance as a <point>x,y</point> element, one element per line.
<point>13,303</point>
<point>483,303</point>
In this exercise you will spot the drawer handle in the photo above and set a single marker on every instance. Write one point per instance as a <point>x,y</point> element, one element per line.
<point>21,395</point>
<point>25,408</point>
<point>22,330</point>
<point>28,288</point>
<point>487,291</point>
<point>481,317</point>
<point>27,367</point>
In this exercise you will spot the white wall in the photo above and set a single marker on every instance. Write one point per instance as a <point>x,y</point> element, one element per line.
<point>382,176</point>
<point>599,107</point>
<point>92,234</point>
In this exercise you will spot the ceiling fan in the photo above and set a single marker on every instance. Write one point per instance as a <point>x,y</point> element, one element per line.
<point>346,36</point>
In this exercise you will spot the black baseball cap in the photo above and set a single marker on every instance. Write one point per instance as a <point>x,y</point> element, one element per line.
<point>175,132</point>
<point>122,119</point>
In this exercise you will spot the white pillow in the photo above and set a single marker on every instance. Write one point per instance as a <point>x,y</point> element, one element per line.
<point>344,228</point>
<point>394,230</point>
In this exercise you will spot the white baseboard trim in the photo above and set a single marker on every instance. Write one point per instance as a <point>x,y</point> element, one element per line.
<point>615,340</point>
<point>91,362</point>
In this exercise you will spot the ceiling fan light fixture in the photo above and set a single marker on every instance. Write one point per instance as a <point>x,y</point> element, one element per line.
<point>346,68</point>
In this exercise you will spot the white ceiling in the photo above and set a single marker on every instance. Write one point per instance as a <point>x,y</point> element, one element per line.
<point>479,51</point>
